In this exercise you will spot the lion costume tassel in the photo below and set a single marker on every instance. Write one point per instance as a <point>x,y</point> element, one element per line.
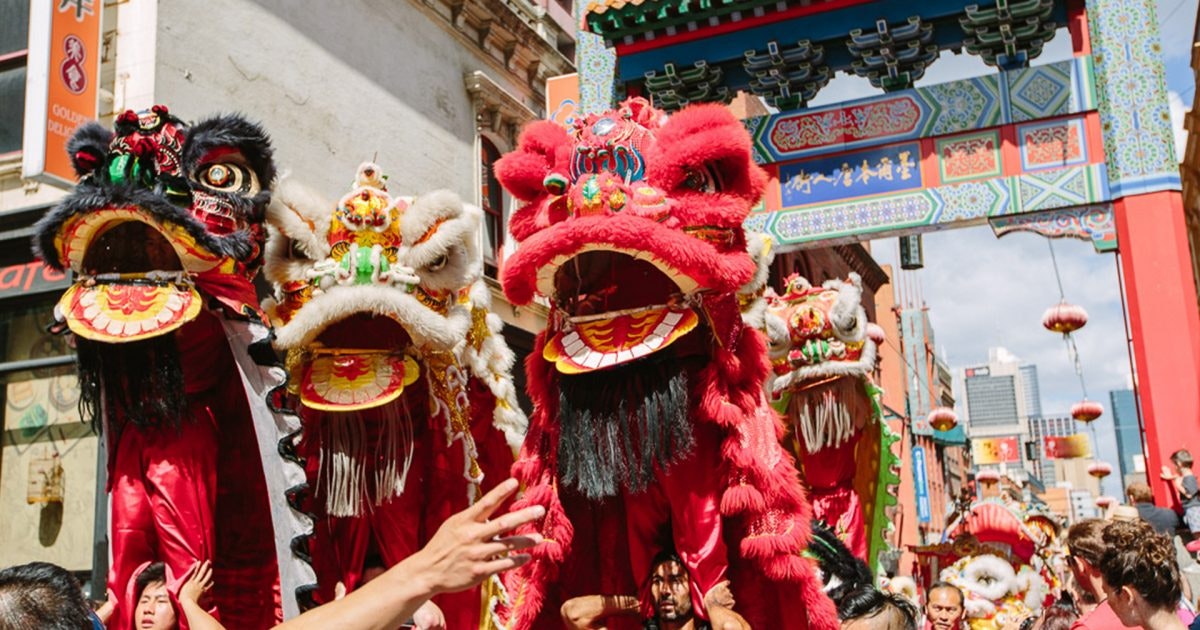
<point>631,228</point>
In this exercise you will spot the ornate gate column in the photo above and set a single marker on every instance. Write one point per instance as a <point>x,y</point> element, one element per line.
<point>1143,176</point>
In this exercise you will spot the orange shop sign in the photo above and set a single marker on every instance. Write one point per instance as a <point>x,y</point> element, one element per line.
<point>62,84</point>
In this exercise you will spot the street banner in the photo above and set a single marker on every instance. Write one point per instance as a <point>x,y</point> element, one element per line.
<point>996,450</point>
<point>62,86</point>
<point>921,484</point>
<point>562,99</point>
<point>1067,446</point>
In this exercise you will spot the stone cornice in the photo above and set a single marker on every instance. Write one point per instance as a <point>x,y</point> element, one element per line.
<point>509,34</point>
<point>495,109</point>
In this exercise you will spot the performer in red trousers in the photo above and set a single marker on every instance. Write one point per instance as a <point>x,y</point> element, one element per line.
<point>164,234</point>
<point>400,376</point>
<point>651,427</point>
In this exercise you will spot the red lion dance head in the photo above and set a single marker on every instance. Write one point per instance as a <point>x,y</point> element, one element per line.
<point>651,430</point>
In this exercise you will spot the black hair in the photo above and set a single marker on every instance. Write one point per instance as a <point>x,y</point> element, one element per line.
<point>868,601</point>
<point>155,573</point>
<point>43,596</point>
<point>837,561</point>
<point>666,555</point>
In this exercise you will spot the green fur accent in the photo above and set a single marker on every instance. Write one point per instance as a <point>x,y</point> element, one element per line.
<point>887,488</point>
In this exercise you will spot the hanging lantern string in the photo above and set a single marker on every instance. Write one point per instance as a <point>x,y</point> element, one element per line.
<point>1073,354</point>
<point>1057,276</point>
<point>1072,349</point>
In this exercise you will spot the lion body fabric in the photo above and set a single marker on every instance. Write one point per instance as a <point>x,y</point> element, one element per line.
<point>400,376</point>
<point>651,428</point>
<point>164,235</point>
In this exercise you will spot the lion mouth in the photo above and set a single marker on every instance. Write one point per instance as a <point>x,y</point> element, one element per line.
<point>357,363</point>
<point>132,284</point>
<point>615,308</point>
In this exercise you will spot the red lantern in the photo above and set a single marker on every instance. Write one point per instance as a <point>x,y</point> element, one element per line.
<point>1100,470</point>
<point>1086,410</point>
<point>987,476</point>
<point>1064,318</point>
<point>875,333</point>
<point>1105,502</point>
<point>943,419</point>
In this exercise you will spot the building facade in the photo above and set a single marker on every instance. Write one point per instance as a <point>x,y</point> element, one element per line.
<point>1002,396</point>
<point>914,381</point>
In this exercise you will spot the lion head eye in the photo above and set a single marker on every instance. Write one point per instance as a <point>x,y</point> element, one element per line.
<point>229,177</point>
<point>438,263</point>
<point>296,250</point>
<point>704,179</point>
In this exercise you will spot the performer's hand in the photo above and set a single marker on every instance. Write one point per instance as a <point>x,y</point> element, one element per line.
<point>1167,474</point>
<point>198,583</point>
<point>429,617</point>
<point>105,611</point>
<point>467,548</point>
<point>719,595</point>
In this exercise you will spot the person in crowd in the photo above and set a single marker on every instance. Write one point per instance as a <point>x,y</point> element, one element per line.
<point>944,607</point>
<point>464,551</point>
<point>1163,520</point>
<point>1189,493</point>
<point>154,610</point>
<point>868,608</point>
<point>45,596</point>
<point>1058,616</point>
<point>1084,600</point>
<point>1085,546</point>
<point>1140,577</point>
<point>669,593</point>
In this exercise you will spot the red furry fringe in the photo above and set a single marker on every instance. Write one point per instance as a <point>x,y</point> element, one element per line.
<point>767,500</point>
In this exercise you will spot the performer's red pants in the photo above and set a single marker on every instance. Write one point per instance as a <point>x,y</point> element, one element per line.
<point>164,493</point>
<point>682,510</point>
<point>435,489</point>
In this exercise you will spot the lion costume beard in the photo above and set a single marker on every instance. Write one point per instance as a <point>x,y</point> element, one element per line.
<point>617,425</point>
<point>149,391</point>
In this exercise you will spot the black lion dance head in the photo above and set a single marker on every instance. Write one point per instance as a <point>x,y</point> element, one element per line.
<point>166,219</point>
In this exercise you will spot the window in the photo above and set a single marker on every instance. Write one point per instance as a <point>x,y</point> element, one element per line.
<point>14,42</point>
<point>492,199</point>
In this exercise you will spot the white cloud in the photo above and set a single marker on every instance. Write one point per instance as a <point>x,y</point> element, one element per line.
<point>983,292</point>
<point>1178,112</point>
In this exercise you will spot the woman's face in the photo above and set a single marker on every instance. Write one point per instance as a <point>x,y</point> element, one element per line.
<point>154,610</point>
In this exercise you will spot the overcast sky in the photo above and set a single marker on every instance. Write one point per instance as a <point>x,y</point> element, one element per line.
<point>982,291</point>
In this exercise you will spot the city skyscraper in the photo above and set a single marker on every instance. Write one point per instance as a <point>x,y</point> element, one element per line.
<point>1033,393</point>
<point>998,398</point>
<point>1129,434</point>
<point>1041,428</point>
